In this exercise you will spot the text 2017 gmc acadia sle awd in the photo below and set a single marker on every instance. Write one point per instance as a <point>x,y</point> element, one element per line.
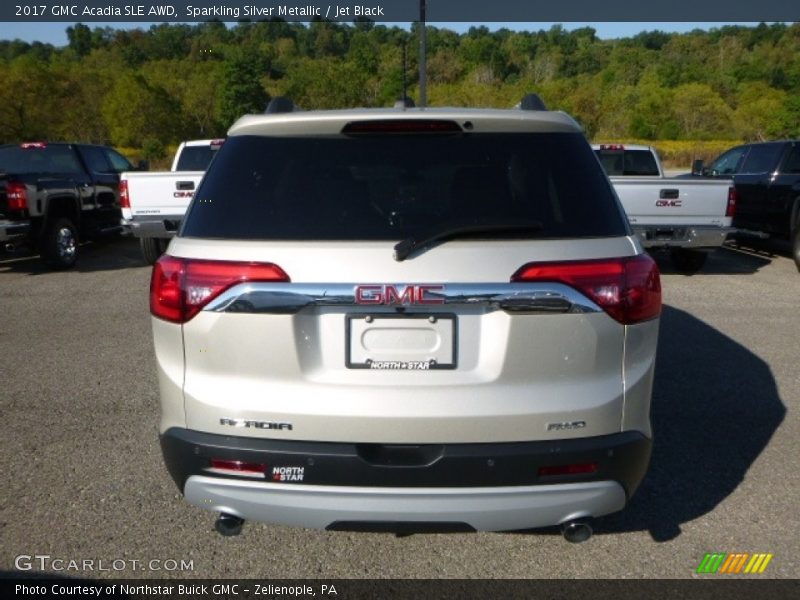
<point>406,319</point>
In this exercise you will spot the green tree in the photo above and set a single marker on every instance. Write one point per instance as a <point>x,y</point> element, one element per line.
<point>700,112</point>
<point>327,83</point>
<point>29,102</point>
<point>651,117</point>
<point>758,114</point>
<point>135,111</point>
<point>80,39</point>
<point>240,91</point>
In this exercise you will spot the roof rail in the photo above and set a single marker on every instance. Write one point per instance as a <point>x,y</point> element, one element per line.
<point>531,102</point>
<point>280,104</point>
<point>404,102</point>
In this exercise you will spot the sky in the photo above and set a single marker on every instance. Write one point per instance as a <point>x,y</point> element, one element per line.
<point>55,33</point>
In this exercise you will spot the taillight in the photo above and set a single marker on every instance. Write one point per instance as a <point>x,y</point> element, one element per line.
<point>238,466</point>
<point>628,289</point>
<point>733,196</point>
<point>16,195</point>
<point>124,199</point>
<point>181,287</point>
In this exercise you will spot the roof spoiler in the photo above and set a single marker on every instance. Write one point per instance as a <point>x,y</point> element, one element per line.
<point>280,104</point>
<point>404,102</point>
<point>531,102</point>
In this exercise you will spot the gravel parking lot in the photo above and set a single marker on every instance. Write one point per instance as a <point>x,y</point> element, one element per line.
<point>81,474</point>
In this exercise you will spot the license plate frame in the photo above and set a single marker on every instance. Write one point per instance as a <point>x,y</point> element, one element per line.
<point>450,329</point>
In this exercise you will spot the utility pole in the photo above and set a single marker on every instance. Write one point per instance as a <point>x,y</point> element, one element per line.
<point>423,67</point>
<point>405,86</point>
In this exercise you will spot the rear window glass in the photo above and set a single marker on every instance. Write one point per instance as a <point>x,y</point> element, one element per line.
<point>762,158</point>
<point>793,160</point>
<point>196,158</point>
<point>727,163</point>
<point>628,162</point>
<point>383,187</point>
<point>50,159</point>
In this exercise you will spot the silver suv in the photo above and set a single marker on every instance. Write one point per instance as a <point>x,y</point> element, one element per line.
<point>406,319</point>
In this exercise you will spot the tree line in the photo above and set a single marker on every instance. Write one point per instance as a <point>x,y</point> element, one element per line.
<point>150,89</point>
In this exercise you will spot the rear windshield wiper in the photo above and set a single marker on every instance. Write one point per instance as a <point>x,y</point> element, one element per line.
<point>408,246</point>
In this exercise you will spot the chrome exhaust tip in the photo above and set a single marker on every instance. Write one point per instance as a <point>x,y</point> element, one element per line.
<point>577,531</point>
<point>228,525</point>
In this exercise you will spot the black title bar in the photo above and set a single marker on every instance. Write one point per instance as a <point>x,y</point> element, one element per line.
<point>396,589</point>
<point>471,11</point>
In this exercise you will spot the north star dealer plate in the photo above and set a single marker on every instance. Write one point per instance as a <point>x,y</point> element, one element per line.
<point>401,342</point>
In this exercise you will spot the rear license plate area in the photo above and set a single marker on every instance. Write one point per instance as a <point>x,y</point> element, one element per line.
<point>400,342</point>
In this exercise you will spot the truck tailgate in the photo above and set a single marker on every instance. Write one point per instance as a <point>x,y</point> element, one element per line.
<point>160,193</point>
<point>665,201</point>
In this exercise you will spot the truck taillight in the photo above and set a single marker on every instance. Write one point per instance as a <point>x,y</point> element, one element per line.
<point>181,287</point>
<point>628,289</point>
<point>124,199</point>
<point>733,196</point>
<point>16,195</point>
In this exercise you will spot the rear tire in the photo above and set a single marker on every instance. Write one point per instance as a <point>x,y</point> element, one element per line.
<point>796,246</point>
<point>152,249</point>
<point>59,243</point>
<point>688,262</point>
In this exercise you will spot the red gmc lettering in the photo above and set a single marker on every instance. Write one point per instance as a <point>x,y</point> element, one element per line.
<point>393,297</point>
<point>390,294</point>
<point>369,294</point>
<point>424,298</point>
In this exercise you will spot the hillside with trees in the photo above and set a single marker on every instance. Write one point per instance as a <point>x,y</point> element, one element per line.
<point>147,90</point>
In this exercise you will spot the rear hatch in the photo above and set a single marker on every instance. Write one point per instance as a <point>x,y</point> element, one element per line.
<point>323,329</point>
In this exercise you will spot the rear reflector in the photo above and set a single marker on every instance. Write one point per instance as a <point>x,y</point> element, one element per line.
<point>124,199</point>
<point>237,466</point>
<point>733,196</point>
<point>401,126</point>
<point>181,287</point>
<point>576,469</point>
<point>628,289</point>
<point>16,195</point>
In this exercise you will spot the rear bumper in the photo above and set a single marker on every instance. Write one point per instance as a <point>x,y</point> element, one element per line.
<point>486,486</point>
<point>481,509</point>
<point>163,226</point>
<point>11,231</point>
<point>682,236</point>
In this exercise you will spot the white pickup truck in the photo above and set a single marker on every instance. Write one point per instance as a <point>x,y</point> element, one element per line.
<point>688,217</point>
<point>153,203</point>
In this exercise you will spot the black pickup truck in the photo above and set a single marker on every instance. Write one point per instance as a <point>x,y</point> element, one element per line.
<point>767,180</point>
<point>53,194</point>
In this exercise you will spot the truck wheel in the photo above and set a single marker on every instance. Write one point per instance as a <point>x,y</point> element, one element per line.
<point>152,249</point>
<point>688,262</point>
<point>59,243</point>
<point>796,246</point>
